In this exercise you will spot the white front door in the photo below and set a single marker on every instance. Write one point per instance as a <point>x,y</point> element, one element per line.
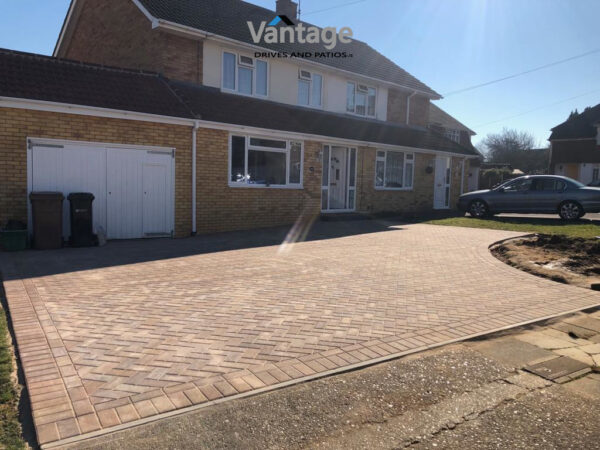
<point>442,180</point>
<point>339,179</point>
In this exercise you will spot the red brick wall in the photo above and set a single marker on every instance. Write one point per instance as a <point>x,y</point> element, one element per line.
<point>116,33</point>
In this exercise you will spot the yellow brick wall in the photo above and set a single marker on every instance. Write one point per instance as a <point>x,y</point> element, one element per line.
<point>370,200</point>
<point>219,206</point>
<point>16,125</point>
<point>414,201</point>
<point>224,208</point>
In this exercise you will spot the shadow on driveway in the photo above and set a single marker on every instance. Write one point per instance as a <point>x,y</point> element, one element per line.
<point>35,263</point>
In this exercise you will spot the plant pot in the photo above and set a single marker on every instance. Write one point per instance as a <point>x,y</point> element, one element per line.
<point>13,240</point>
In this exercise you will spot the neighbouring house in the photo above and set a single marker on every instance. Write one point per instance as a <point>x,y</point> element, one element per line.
<point>442,122</point>
<point>179,123</point>
<point>575,146</point>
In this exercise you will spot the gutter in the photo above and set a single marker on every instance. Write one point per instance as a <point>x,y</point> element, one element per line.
<point>462,177</point>
<point>194,188</point>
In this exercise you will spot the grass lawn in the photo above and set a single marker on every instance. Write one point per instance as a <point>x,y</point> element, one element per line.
<point>582,229</point>
<point>10,428</point>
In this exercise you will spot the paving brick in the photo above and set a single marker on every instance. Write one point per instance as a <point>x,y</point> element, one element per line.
<point>108,418</point>
<point>127,413</point>
<point>89,423</point>
<point>145,408</point>
<point>67,428</point>
<point>179,399</point>
<point>162,404</point>
<point>195,395</point>
<point>47,433</point>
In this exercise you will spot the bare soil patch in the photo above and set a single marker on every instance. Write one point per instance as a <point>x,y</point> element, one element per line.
<point>561,258</point>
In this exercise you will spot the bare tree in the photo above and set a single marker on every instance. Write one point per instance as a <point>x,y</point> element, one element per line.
<point>516,148</point>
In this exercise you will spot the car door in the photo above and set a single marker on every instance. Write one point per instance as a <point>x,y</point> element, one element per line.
<point>514,196</point>
<point>546,194</point>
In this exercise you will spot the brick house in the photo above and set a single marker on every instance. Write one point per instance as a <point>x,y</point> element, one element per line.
<point>575,146</point>
<point>178,123</point>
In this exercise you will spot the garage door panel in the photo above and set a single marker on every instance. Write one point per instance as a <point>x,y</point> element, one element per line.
<point>46,168</point>
<point>156,181</point>
<point>124,200</point>
<point>84,170</point>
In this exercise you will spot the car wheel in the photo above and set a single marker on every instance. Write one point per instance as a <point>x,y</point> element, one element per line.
<point>570,210</point>
<point>478,209</point>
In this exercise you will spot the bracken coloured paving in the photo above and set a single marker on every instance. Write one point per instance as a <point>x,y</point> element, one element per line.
<point>111,335</point>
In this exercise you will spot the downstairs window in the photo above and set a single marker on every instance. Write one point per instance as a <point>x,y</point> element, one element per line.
<point>265,162</point>
<point>394,169</point>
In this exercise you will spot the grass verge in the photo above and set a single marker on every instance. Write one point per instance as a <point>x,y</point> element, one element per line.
<point>581,229</point>
<point>10,427</point>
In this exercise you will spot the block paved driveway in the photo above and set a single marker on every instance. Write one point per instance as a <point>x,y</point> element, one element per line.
<point>112,335</point>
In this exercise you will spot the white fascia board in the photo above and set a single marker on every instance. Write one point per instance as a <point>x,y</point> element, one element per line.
<point>199,34</point>
<point>38,105</point>
<point>146,13</point>
<point>64,27</point>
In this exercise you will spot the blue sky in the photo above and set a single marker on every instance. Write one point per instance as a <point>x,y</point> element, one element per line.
<point>448,44</point>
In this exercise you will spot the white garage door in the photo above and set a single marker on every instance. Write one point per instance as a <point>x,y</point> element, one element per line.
<point>133,186</point>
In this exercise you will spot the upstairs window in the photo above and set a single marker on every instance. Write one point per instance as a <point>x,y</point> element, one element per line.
<point>265,162</point>
<point>394,170</point>
<point>244,74</point>
<point>361,99</point>
<point>453,135</point>
<point>310,89</point>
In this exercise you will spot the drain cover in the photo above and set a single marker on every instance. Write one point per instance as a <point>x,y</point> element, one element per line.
<point>560,370</point>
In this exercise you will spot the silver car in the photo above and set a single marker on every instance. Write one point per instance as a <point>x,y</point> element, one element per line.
<point>547,194</point>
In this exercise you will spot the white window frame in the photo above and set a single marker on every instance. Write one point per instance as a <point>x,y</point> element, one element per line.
<point>453,134</point>
<point>368,86</point>
<point>406,161</point>
<point>310,87</point>
<point>286,150</point>
<point>239,64</point>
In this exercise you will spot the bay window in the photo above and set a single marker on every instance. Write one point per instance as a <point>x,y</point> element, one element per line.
<point>256,162</point>
<point>394,169</point>
<point>244,74</point>
<point>310,88</point>
<point>360,99</point>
